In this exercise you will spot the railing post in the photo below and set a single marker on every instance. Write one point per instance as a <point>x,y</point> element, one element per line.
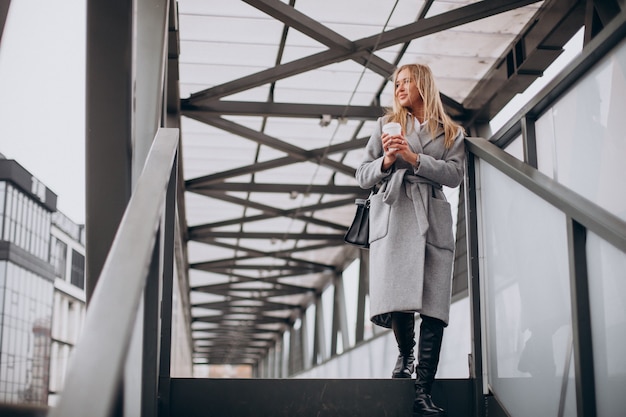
<point>151,313</point>
<point>168,290</point>
<point>476,359</point>
<point>359,331</point>
<point>581,320</point>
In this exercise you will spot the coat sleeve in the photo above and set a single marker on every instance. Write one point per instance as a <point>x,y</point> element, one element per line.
<point>370,172</point>
<point>449,170</point>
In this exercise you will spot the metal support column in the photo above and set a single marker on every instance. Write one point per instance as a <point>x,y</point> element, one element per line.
<point>581,320</point>
<point>151,331</point>
<point>340,317</point>
<point>362,295</point>
<point>530,140</point>
<point>150,56</point>
<point>304,341</point>
<point>109,118</point>
<point>474,287</point>
<point>319,342</point>
<point>108,135</point>
<point>4,12</point>
<point>169,225</point>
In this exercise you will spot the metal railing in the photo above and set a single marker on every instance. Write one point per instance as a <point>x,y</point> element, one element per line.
<point>136,258</point>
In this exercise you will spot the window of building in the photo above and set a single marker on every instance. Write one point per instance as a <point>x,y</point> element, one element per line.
<point>25,345</point>
<point>58,257</point>
<point>78,270</point>
<point>26,223</point>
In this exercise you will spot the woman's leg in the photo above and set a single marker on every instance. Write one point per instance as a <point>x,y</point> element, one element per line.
<point>403,325</point>
<point>429,348</point>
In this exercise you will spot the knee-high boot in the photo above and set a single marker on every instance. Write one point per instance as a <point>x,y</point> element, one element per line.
<point>429,348</point>
<point>403,325</point>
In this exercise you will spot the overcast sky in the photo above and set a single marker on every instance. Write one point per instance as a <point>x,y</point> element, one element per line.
<point>42,96</point>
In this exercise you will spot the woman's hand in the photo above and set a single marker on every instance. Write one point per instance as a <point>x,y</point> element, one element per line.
<point>394,147</point>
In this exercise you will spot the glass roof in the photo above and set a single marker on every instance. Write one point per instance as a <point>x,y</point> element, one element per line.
<point>278,100</point>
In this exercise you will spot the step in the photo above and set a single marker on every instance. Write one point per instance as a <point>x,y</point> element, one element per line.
<point>22,410</point>
<point>198,397</point>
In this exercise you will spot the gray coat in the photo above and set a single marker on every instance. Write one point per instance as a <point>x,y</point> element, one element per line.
<point>411,239</point>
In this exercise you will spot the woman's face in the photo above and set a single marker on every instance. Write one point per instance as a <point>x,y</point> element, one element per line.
<point>406,91</point>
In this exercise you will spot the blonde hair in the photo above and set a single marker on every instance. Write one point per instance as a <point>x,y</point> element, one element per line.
<point>434,112</point>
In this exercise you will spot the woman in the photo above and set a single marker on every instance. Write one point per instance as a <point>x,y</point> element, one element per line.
<point>411,238</point>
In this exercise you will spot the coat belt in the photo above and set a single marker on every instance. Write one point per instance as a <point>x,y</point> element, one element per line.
<point>416,189</point>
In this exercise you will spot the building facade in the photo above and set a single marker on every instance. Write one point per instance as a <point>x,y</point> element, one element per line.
<point>42,299</point>
<point>67,256</point>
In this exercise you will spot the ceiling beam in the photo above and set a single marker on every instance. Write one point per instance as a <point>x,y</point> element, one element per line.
<point>264,292</point>
<point>278,255</point>
<point>276,163</point>
<point>271,109</point>
<point>271,235</point>
<point>198,232</point>
<point>536,47</point>
<point>261,138</point>
<point>226,308</point>
<point>420,28</point>
<point>321,33</point>
<point>253,187</point>
<point>251,321</point>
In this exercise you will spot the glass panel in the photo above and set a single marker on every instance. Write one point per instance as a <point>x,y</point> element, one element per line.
<point>544,131</point>
<point>588,126</point>
<point>25,343</point>
<point>607,285</point>
<point>456,345</point>
<point>377,356</point>
<point>527,302</point>
<point>516,148</point>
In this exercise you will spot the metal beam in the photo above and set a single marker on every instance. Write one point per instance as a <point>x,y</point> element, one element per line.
<point>252,187</point>
<point>581,319</point>
<point>261,138</point>
<point>250,169</point>
<point>4,12</point>
<point>421,28</point>
<point>537,47</point>
<point>315,30</point>
<point>253,321</point>
<point>272,109</point>
<point>272,235</point>
<point>198,232</point>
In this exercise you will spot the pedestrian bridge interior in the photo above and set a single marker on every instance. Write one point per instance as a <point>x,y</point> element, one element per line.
<point>220,234</point>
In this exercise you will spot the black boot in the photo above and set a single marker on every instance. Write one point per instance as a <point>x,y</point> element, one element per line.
<point>403,325</point>
<point>431,334</point>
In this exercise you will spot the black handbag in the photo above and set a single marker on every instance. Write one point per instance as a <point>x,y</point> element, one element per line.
<point>359,231</point>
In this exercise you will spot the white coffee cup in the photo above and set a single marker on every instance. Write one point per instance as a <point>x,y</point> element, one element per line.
<point>392,129</point>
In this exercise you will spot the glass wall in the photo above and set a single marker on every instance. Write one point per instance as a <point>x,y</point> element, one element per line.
<point>25,314</point>
<point>526,298</point>
<point>377,356</point>
<point>606,267</point>
<point>580,143</point>
<point>580,139</point>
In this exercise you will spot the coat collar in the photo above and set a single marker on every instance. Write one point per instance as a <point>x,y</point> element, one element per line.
<point>418,140</point>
